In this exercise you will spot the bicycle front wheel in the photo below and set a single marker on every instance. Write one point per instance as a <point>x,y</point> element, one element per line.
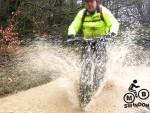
<point>86,79</point>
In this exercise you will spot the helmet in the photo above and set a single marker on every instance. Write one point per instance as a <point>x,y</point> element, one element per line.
<point>89,0</point>
<point>134,81</point>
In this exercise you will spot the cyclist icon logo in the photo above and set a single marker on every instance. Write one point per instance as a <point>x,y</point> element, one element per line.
<point>129,97</point>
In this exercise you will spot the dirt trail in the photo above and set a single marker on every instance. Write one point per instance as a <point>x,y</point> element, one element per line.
<point>60,96</point>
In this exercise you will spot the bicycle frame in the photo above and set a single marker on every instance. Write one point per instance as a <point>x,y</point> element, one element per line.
<point>93,59</point>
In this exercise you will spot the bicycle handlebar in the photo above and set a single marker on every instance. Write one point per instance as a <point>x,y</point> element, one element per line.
<point>76,39</point>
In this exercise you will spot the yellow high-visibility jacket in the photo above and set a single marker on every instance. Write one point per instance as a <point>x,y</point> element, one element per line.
<point>93,25</point>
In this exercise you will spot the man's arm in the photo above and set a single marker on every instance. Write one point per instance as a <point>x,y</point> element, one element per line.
<point>136,86</point>
<point>110,20</point>
<point>76,24</point>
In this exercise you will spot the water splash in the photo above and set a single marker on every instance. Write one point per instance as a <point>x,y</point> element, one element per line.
<point>126,62</point>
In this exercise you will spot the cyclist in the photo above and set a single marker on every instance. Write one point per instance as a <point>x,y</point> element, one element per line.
<point>132,86</point>
<point>94,20</point>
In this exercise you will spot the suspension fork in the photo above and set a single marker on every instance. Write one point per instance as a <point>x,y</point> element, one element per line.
<point>88,48</point>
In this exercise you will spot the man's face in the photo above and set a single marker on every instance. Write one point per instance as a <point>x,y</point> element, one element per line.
<point>91,5</point>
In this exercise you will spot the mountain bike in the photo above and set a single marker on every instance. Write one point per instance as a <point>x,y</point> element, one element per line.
<point>93,60</point>
<point>130,97</point>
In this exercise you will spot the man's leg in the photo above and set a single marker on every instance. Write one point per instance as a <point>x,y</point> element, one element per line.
<point>135,92</point>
